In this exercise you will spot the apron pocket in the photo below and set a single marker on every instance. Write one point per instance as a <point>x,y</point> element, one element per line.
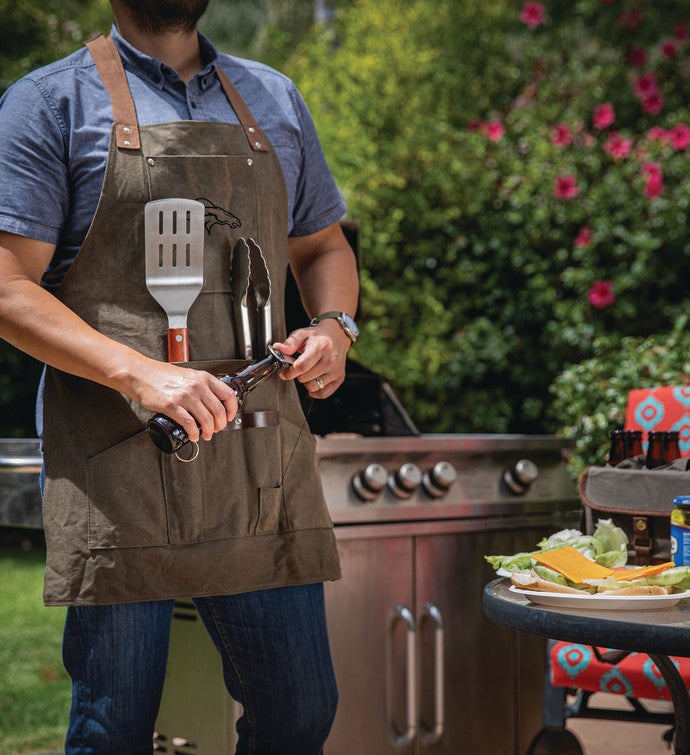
<point>270,508</point>
<point>218,496</point>
<point>302,491</point>
<point>125,497</point>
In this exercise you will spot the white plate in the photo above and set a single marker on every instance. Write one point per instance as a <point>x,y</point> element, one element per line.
<point>617,602</point>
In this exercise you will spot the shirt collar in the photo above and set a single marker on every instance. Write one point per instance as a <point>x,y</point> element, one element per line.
<point>154,70</point>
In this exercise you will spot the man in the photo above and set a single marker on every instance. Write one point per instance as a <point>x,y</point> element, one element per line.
<point>151,113</point>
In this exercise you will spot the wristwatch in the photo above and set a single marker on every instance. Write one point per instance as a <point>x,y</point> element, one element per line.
<point>344,320</point>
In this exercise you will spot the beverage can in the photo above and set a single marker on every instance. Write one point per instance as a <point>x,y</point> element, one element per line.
<point>680,531</point>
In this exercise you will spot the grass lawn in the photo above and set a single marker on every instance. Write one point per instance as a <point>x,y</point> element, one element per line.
<point>34,687</point>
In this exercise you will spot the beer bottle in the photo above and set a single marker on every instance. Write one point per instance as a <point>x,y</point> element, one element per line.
<point>671,439</point>
<point>656,455</point>
<point>617,448</point>
<point>633,443</point>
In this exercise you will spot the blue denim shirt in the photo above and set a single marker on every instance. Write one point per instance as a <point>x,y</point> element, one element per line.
<point>55,127</point>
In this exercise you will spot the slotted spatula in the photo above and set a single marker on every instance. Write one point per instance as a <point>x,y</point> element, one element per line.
<point>174,236</point>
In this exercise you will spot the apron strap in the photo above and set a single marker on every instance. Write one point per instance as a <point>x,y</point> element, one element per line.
<point>255,136</point>
<point>109,65</point>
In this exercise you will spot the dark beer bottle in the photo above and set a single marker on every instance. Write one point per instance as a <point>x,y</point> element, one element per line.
<point>671,439</point>
<point>656,452</point>
<point>633,443</point>
<point>617,448</point>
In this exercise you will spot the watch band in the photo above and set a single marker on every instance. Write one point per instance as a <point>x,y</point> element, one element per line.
<point>343,319</point>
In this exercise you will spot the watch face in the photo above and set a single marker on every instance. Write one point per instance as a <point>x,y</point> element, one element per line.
<point>349,325</point>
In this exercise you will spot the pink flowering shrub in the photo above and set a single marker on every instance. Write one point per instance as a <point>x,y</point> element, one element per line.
<point>520,196</point>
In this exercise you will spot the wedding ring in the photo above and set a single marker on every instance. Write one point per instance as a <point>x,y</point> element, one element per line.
<point>319,382</point>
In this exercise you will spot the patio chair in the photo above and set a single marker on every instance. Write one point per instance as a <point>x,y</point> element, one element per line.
<point>576,672</point>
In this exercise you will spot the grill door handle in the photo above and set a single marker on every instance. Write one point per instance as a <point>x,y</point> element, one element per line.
<point>431,736</point>
<point>403,613</point>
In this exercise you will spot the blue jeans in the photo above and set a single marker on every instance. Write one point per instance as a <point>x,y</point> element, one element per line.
<point>276,663</point>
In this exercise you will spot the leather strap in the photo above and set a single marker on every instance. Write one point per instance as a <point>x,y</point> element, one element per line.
<point>244,420</point>
<point>109,65</point>
<point>255,136</point>
<point>112,72</point>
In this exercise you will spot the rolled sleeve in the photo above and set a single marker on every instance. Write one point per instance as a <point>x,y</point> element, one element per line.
<point>318,202</point>
<point>34,194</point>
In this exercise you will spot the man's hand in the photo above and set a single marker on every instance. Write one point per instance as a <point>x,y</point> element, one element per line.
<point>321,363</point>
<point>195,399</point>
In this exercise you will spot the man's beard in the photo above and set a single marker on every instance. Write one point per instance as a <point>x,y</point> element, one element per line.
<point>163,16</point>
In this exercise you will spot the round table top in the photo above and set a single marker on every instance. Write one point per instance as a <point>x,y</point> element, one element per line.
<point>664,631</point>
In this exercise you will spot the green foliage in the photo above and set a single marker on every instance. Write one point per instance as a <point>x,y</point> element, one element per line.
<point>34,687</point>
<point>35,33</point>
<point>474,289</point>
<point>590,397</point>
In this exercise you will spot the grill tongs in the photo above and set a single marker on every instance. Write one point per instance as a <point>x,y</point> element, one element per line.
<point>260,282</point>
<point>239,285</point>
<point>251,298</point>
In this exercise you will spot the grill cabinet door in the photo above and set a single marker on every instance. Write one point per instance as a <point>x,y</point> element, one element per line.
<point>369,641</point>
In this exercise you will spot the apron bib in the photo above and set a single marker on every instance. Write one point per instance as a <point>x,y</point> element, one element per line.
<point>123,521</point>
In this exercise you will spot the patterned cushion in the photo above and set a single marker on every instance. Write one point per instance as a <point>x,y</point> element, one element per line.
<point>574,665</point>
<point>666,408</point>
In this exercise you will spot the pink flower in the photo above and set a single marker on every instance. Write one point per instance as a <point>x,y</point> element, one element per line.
<point>618,147</point>
<point>631,19</point>
<point>637,57</point>
<point>532,14</point>
<point>561,135</point>
<point>494,130</point>
<point>645,85</point>
<point>604,115</point>
<point>669,49</point>
<point>584,236</point>
<point>653,103</point>
<point>654,185</point>
<point>565,187</point>
<point>601,294</point>
<point>679,136</point>
<point>656,133</point>
<point>680,31</point>
<point>588,140</point>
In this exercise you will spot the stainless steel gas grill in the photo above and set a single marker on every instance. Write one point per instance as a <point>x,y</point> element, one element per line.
<point>420,670</point>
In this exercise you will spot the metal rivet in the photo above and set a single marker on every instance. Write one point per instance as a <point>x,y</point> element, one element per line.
<point>238,420</point>
<point>252,129</point>
<point>257,144</point>
<point>250,161</point>
<point>128,143</point>
<point>126,129</point>
<point>151,161</point>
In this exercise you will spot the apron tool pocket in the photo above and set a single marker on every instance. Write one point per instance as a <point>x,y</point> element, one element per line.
<point>125,496</point>
<point>218,496</point>
<point>302,491</point>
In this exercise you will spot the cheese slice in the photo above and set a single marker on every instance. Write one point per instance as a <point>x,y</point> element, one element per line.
<point>645,571</point>
<point>572,564</point>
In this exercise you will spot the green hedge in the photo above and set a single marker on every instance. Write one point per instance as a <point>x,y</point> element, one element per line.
<point>480,282</point>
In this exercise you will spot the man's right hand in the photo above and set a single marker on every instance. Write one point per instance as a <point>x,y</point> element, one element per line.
<point>35,321</point>
<point>195,399</point>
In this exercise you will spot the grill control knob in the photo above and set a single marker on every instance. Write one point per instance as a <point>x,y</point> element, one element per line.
<point>437,481</point>
<point>405,481</point>
<point>370,482</point>
<point>521,476</point>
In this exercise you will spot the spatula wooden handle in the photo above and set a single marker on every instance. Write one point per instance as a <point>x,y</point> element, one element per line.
<point>178,345</point>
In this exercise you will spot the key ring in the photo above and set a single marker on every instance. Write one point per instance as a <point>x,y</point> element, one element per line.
<point>195,453</point>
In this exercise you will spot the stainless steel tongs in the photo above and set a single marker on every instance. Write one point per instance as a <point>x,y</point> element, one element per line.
<point>251,298</point>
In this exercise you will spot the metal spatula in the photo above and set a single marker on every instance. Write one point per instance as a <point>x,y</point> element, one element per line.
<point>174,234</point>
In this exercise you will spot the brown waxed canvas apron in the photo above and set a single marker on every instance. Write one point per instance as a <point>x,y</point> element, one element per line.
<point>123,521</point>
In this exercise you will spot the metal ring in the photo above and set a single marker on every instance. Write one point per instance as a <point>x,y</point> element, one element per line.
<point>195,453</point>
<point>319,382</point>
